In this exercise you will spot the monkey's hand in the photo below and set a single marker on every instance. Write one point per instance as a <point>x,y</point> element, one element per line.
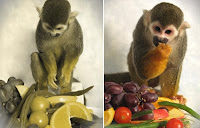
<point>155,62</point>
<point>51,78</point>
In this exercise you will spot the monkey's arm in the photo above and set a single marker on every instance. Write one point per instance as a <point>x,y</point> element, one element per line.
<point>154,62</point>
<point>49,61</point>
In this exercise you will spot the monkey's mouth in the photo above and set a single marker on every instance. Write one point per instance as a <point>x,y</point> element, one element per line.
<point>157,40</point>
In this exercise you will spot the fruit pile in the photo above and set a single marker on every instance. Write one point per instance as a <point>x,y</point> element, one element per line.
<point>51,113</point>
<point>9,97</point>
<point>131,95</point>
<point>27,107</point>
<point>130,105</point>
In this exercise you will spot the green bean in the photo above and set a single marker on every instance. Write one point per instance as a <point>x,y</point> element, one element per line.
<point>78,93</point>
<point>19,107</point>
<point>150,125</point>
<point>143,125</point>
<point>187,109</point>
<point>142,113</point>
<point>27,104</point>
<point>120,125</point>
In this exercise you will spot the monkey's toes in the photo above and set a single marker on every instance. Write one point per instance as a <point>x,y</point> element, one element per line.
<point>181,98</point>
<point>53,84</point>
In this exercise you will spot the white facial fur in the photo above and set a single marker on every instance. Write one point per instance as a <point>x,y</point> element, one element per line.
<point>56,31</point>
<point>163,33</point>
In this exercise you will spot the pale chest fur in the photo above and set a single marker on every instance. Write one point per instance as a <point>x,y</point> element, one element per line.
<point>55,45</point>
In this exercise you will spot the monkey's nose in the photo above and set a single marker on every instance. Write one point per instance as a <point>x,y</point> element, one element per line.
<point>57,34</point>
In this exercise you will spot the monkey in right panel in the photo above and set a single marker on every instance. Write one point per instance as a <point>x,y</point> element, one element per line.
<point>158,48</point>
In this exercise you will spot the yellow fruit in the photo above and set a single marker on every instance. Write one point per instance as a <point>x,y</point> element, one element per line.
<point>61,117</point>
<point>57,99</point>
<point>161,99</point>
<point>39,103</point>
<point>22,90</point>
<point>79,110</point>
<point>175,113</point>
<point>108,116</point>
<point>48,126</point>
<point>90,110</point>
<point>39,118</point>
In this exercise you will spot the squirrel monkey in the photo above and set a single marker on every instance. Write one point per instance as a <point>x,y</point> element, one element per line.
<point>158,49</point>
<point>59,41</point>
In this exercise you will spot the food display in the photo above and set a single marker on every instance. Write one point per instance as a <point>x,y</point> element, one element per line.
<point>129,105</point>
<point>26,107</point>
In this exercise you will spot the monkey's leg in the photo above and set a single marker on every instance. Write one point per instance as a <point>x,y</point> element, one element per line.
<point>169,82</point>
<point>38,71</point>
<point>66,74</point>
<point>132,70</point>
<point>50,65</point>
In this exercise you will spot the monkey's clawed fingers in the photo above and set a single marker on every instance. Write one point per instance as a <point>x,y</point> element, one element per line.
<point>51,82</point>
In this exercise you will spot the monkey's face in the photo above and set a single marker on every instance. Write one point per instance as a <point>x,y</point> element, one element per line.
<point>162,34</point>
<point>54,31</point>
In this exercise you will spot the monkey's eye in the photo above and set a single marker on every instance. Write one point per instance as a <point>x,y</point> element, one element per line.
<point>48,27</point>
<point>157,28</point>
<point>59,28</point>
<point>168,31</point>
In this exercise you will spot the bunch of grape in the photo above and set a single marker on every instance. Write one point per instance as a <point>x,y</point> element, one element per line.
<point>130,94</point>
<point>9,96</point>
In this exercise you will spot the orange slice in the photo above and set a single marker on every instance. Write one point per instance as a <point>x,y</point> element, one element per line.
<point>161,99</point>
<point>108,116</point>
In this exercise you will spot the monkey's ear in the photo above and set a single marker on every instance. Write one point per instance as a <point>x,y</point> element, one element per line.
<point>39,10</point>
<point>146,17</point>
<point>72,16</point>
<point>183,27</point>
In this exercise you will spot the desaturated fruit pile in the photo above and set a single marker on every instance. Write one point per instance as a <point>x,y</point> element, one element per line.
<point>9,97</point>
<point>26,107</point>
<point>131,95</point>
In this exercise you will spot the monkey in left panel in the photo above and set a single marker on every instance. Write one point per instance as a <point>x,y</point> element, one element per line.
<point>59,42</point>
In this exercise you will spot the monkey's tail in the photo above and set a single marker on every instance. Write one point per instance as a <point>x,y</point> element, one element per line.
<point>118,77</point>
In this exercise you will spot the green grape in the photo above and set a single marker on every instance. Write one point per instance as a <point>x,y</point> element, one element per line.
<point>2,83</point>
<point>39,118</point>
<point>39,103</point>
<point>10,107</point>
<point>3,95</point>
<point>11,79</point>
<point>16,82</point>
<point>9,89</point>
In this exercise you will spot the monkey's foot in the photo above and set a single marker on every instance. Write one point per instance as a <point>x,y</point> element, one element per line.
<point>181,98</point>
<point>64,90</point>
<point>42,86</point>
<point>64,80</point>
<point>51,81</point>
